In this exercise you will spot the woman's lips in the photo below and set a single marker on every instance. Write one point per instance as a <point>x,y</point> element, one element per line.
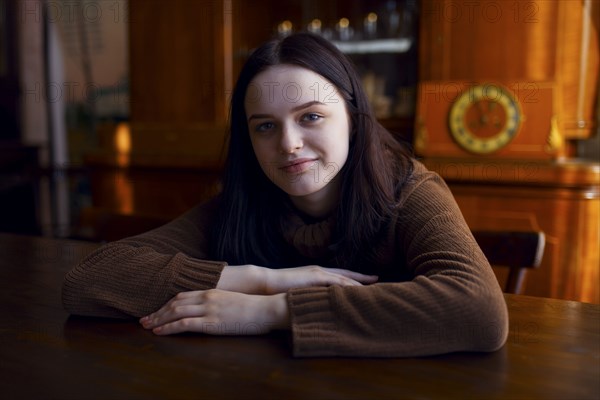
<point>298,166</point>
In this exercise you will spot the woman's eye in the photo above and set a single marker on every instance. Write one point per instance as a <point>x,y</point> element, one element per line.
<point>266,126</point>
<point>311,117</point>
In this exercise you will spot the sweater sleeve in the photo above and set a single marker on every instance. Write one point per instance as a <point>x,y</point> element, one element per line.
<point>136,276</point>
<point>452,303</point>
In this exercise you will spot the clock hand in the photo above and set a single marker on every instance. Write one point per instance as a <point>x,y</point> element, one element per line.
<point>482,120</point>
<point>496,121</point>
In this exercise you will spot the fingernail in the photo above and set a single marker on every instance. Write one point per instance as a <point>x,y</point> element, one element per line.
<point>147,322</point>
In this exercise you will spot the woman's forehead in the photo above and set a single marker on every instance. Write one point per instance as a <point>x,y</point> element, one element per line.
<point>284,71</point>
<point>289,83</point>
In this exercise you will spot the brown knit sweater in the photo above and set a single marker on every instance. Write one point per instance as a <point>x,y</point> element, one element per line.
<point>439,293</point>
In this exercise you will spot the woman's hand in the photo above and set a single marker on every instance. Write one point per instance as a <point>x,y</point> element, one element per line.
<point>281,280</point>
<point>252,279</point>
<point>219,312</point>
<point>226,311</point>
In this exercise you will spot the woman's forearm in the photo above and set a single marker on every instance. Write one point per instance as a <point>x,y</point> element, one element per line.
<point>252,279</point>
<point>249,279</point>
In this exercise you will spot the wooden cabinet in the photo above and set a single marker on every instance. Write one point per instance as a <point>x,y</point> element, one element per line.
<point>546,53</point>
<point>167,158</point>
<point>561,199</point>
<point>179,79</point>
<point>533,42</point>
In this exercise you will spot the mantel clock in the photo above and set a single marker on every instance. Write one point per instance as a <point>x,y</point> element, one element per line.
<point>486,119</point>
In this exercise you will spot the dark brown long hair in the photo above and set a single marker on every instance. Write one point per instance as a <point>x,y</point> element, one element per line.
<point>251,205</point>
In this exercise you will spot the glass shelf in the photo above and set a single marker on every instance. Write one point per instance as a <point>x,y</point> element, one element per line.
<point>394,45</point>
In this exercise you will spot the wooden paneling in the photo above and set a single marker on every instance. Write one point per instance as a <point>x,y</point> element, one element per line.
<point>562,200</point>
<point>534,44</point>
<point>578,67</point>
<point>180,63</point>
<point>525,41</point>
<point>488,40</point>
<point>185,55</point>
<point>131,200</point>
<point>150,191</point>
<point>176,51</point>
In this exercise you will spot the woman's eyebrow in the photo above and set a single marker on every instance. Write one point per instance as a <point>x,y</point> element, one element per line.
<point>306,105</point>
<point>295,109</point>
<point>259,116</point>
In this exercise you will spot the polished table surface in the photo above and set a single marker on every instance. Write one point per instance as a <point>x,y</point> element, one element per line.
<point>553,351</point>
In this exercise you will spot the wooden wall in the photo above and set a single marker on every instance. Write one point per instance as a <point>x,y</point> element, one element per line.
<point>539,44</point>
<point>526,41</point>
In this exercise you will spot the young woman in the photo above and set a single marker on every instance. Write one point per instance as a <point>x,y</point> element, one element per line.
<point>325,226</point>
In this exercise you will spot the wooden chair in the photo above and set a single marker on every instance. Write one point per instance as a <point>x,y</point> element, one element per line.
<point>515,250</point>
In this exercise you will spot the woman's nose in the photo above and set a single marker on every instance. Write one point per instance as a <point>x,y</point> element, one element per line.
<point>291,139</point>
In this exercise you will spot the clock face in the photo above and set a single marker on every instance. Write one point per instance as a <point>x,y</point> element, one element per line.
<point>484,119</point>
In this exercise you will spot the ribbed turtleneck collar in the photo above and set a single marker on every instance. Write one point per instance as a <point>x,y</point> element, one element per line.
<point>311,239</point>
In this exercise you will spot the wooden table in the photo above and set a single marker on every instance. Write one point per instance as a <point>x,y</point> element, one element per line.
<point>553,351</point>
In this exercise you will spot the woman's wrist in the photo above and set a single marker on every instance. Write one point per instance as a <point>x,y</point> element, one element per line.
<point>280,312</point>
<point>249,279</point>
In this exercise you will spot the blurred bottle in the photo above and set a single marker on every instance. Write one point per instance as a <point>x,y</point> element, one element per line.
<point>344,30</point>
<point>407,22</point>
<point>391,19</point>
<point>370,26</point>
<point>315,26</point>
<point>284,28</point>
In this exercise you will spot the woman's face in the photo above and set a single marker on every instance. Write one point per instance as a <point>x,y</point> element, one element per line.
<point>300,133</point>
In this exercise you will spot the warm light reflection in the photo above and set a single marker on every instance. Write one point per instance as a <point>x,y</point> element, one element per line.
<point>122,142</point>
<point>315,26</point>
<point>123,189</point>
<point>122,138</point>
<point>285,28</point>
<point>124,195</point>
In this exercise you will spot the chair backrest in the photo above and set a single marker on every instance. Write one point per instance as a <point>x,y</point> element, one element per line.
<point>515,250</point>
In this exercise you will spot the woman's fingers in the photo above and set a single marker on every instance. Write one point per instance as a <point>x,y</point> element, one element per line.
<point>329,279</point>
<point>219,312</point>
<point>180,326</point>
<point>342,277</point>
<point>176,313</point>
<point>184,305</point>
<point>356,276</point>
<point>204,325</point>
<point>188,309</point>
<point>282,280</point>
